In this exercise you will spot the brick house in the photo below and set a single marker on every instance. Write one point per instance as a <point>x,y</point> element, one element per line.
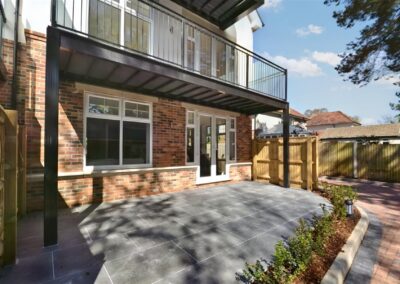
<point>139,97</point>
<point>332,119</point>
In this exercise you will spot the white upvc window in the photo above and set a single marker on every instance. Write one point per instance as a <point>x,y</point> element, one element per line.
<point>118,132</point>
<point>124,22</point>
<point>232,139</point>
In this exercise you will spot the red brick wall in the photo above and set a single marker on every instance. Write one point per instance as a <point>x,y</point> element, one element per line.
<point>5,86</point>
<point>168,139</point>
<point>243,139</point>
<point>168,133</point>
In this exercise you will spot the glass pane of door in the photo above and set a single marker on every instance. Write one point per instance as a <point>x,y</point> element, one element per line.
<point>220,135</point>
<point>205,146</point>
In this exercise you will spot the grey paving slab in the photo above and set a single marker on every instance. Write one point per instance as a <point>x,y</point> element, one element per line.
<point>208,243</point>
<point>196,236</point>
<point>74,259</point>
<point>152,236</point>
<point>90,275</point>
<point>367,255</point>
<point>150,265</point>
<point>34,269</point>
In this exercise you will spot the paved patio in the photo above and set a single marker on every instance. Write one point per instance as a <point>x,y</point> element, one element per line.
<point>198,236</point>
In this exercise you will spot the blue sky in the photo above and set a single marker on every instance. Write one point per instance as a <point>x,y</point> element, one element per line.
<point>302,36</point>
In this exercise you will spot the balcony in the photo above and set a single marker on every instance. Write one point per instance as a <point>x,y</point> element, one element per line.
<point>222,73</point>
<point>3,71</point>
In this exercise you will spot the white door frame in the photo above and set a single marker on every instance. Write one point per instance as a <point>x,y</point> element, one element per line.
<point>213,177</point>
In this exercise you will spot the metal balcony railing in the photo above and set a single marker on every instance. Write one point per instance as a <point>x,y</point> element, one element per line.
<point>155,31</point>
<point>2,22</point>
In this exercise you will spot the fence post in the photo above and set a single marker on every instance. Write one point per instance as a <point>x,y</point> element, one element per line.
<point>255,158</point>
<point>309,164</point>
<point>316,163</point>
<point>355,161</point>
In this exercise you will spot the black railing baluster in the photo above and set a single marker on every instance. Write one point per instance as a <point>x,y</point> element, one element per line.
<point>243,67</point>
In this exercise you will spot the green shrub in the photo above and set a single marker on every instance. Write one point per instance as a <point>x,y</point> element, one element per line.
<point>338,194</point>
<point>292,257</point>
<point>300,247</point>
<point>282,265</point>
<point>322,229</point>
<point>253,273</point>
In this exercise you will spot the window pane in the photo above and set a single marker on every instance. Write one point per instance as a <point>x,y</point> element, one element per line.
<point>232,123</point>
<point>232,145</point>
<point>103,106</point>
<point>102,142</point>
<point>190,145</point>
<point>190,117</point>
<point>137,33</point>
<point>104,21</point>
<point>221,59</point>
<point>205,54</point>
<point>137,110</point>
<point>136,143</point>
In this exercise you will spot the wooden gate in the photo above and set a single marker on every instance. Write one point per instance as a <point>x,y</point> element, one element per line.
<point>8,185</point>
<point>303,161</point>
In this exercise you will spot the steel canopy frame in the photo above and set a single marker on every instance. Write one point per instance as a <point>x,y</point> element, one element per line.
<point>51,138</point>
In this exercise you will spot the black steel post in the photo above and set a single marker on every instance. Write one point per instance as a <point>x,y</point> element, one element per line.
<point>51,137</point>
<point>286,172</point>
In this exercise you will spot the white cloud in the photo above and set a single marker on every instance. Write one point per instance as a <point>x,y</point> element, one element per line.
<point>326,57</point>
<point>271,4</point>
<point>302,66</point>
<point>388,80</point>
<point>310,29</point>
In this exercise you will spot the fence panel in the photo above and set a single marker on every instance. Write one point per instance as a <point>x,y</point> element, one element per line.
<point>336,159</point>
<point>373,161</point>
<point>379,162</point>
<point>303,161</point>
<point>8,185</point>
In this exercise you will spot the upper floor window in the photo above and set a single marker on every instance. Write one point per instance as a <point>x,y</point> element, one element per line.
<point>106,17</point>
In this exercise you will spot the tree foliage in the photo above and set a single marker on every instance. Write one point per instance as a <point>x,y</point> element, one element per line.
<point>311,112</point>
<point>375,53</point>
<point>396,106</point>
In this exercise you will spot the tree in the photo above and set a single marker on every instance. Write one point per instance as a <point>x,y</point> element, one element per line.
<point>311,112</point>
<point>387,119</point>
<point>375,53</point>
<point>396,106</point>
<point>356,118</point>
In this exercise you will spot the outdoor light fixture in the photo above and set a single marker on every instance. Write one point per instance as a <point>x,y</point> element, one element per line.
<point>349,207</point>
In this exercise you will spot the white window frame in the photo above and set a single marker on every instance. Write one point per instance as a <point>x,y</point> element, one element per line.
<point>121,6</point>
<point>121,118</point>
<point>196,126</point>
<point>192,126</point>
<point>229,138</point>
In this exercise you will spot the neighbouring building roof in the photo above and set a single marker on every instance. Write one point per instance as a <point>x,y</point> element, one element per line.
<point>369,131</point>
<point>330,118</point>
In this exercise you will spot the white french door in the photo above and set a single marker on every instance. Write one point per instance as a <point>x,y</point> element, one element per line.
<point>213,150</point>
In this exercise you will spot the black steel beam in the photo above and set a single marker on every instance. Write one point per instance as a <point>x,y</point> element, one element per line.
<point>242,9</point>
<point>286,123</point>
<point>51,137</point>
<point>104,51</point>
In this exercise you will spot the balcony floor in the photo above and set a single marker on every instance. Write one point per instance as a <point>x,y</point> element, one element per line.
<point>199,236</point>
<point>88,60</point>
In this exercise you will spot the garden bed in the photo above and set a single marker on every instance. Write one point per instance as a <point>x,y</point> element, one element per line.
<point>306,256</point>
<point>319,265</point>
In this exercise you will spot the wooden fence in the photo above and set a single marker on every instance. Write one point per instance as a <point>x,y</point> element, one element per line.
<point>8,185</point>
<point>303,161</point>
<point>369,161</point>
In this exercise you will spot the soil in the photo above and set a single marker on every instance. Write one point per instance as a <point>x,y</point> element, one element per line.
<point>320,265</point>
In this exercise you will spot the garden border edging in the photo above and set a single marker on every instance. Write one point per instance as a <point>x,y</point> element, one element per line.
<point>343,261</point>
